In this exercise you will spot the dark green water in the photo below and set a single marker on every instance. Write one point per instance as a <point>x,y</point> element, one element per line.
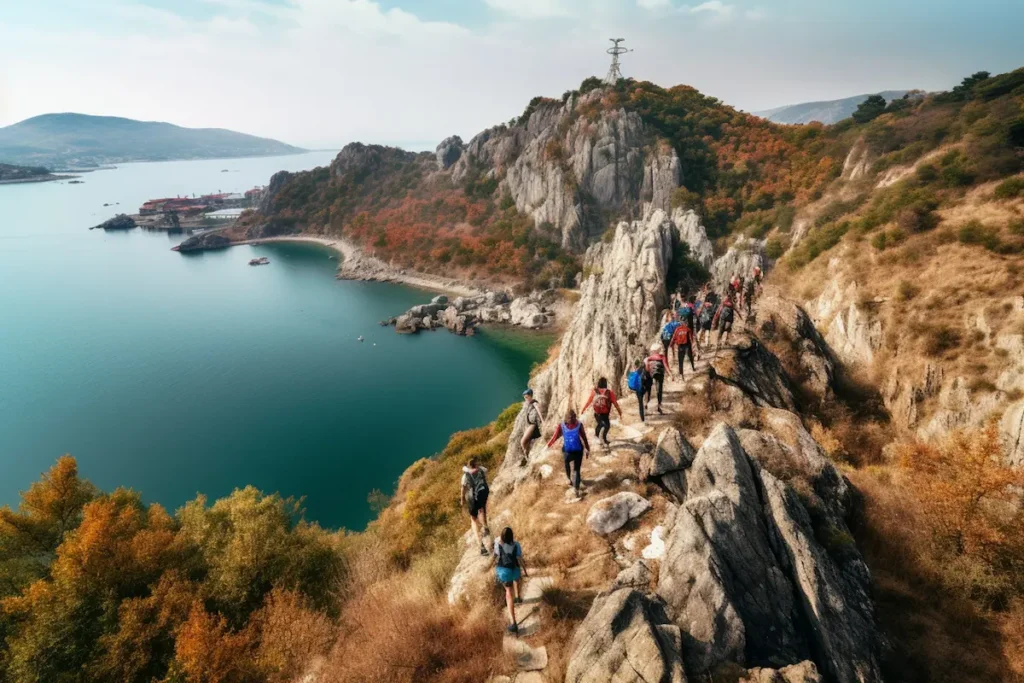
<point>182,374</point>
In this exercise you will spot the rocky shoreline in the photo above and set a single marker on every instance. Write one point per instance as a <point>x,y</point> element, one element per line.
<point>461,315</point>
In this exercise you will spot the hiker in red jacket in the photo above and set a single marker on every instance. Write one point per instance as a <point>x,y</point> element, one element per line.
<point>724,319</point>
<point>683,339</point>
<point>657,368</point>
<point>603,399</point>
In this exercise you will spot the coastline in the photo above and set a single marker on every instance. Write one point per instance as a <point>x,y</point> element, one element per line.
<point>356,265</point>
<point>37,179</point>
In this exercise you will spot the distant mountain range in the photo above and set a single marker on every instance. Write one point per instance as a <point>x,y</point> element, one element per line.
<point>59,141</point>
<point>830,111</point>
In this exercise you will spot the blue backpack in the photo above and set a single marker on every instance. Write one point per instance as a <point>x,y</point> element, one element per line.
<point>571,438</point>
<point>635,382</point>
<point>668,330</point>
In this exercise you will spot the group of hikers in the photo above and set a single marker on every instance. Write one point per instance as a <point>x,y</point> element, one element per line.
<point>687,325</point>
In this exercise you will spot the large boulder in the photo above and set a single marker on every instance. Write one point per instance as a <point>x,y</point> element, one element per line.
<point>790,332</point>
<point>204,241</point>
<point>625,638</point>
<point>121,221</point>
<point>407,324</point>
<point>448,152</point>
<point>527,313</point>
<point>612,513</point>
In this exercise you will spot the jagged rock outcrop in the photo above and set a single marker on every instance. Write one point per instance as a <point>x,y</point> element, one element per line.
<point>268,199</point>
<point>854,336</point>
<point>693,233</point>
<point>788,328</point>
<point>667,463</point>
<point>626,638</point>
<point>662,173</point>
<point>448,152</point>
<point>463,314</point>
<point>617,315</point>
<point>746,580</point>
<point>121,221</point>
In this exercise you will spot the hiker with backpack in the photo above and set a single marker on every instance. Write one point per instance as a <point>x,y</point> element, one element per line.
<point>657,368</point>
<point>534,420</point>
<point>705,318</point>
<point>603,399</point>
<point>724,319</point>
<point>510,570</point>
<point>639,383</point>
<point>668,327</point>
<point>683,340</point>
<point>574,447</point>
<point>687,312</point>
<point>474,497</point>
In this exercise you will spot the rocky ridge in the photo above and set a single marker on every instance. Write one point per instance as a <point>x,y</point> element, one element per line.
<point>727,555</point>
<point>462,314</point>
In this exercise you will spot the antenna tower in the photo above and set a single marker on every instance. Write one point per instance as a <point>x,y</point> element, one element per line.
<point>615,73</point>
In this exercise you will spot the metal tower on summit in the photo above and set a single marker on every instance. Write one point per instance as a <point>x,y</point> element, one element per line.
<point>615,73</point>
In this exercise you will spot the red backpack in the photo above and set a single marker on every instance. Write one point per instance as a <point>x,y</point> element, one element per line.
<point>602,402</point>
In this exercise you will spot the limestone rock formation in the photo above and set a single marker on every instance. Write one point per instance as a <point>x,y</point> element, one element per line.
<point>672,455</point>
<point>783,324</point>
<point>1012,429</point>
<point>747,581</point>
<point>626,638</point>
<point>448,152</point>
<point>741,258</point>
<point>693,233</point>
<point>617,315</point>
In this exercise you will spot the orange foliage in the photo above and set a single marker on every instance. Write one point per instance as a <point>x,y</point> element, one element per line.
<point>207,651</point>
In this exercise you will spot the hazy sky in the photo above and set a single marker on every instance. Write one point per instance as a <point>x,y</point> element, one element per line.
<point>325,72</point>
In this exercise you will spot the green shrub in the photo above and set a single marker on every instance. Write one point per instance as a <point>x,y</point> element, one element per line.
<point>774,249</point>
<point>907,290</point>
<point>938,340</point>
<point>973,232</point>
<point>1011,188</point>
<point>817,242</point>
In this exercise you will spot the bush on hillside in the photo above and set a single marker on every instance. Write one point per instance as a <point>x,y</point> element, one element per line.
<point>1011,188</point>
<point>870,109</point>
<point>973,232</point>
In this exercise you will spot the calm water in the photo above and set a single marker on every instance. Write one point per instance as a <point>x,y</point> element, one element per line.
<point>183,374</point>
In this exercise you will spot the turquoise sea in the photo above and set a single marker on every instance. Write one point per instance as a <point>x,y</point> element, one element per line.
<point>181,374</point>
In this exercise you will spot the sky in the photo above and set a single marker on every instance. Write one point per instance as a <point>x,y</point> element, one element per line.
<point>321,73</point>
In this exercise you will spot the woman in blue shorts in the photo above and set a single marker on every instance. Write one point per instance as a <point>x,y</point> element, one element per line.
<point>509,557</point>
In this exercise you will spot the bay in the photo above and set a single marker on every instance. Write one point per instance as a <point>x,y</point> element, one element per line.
<point>177,374</point>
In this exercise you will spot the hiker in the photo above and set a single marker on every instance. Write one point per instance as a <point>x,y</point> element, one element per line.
<point>574,447</point>
<point>749,291</point>
<point>474,497</point>
<point>603,399</point>
<point>705,316</point>
<point>639,382</point>
<point>686,311</point>
<point>758,277</point>
<point>723,320</point>
<point>668,326</point>
<point>508,555</point>
<point>657,368</point>
<point>534,420</point>
<point>682,340</point>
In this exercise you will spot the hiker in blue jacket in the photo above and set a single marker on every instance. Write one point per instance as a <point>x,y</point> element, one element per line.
<point>639,382</point>
<point>574,447</point>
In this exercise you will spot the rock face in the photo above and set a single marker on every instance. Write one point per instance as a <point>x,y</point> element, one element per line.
<point>1012,429</point>
<point>666,465</point>
<point>626,637</point>
<point>121,221</point>
<point>784,324</point>
<point>852,334</point>
<point>205,241</point>
<point>617,315</point>
<point>746,580</point>
<point>741,258</point>
<point>692,232</point>
<point>448,152</point>
<point>566,170</point>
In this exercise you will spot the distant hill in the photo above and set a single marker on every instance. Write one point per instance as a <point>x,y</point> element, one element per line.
<point>78,140</point>
<point>828,112</point>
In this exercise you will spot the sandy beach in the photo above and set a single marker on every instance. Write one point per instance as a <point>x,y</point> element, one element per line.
<point>356,265</point>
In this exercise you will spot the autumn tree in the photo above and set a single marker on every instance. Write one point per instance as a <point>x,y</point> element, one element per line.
<point>29,537</point>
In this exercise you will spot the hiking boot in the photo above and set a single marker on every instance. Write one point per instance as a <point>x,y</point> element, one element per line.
<point>517,601</point>
<point>659,411</point>
<point>483,551</point>
<point>513,628</point>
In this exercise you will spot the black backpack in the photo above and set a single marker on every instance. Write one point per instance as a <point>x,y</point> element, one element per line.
<point>726,314</point>
<point>657,368</point>
<point>507,560</point>
<point>478,485</point>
